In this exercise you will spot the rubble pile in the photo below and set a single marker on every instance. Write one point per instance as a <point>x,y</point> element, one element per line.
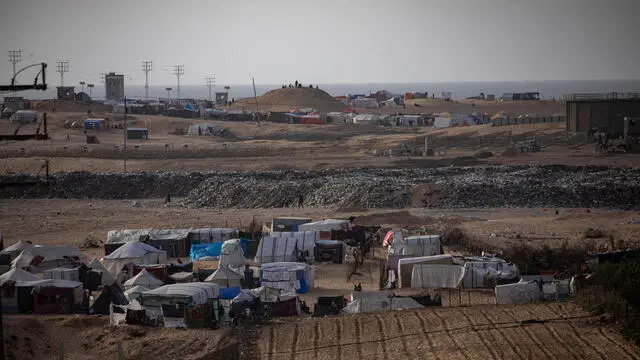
<point>456,187</point>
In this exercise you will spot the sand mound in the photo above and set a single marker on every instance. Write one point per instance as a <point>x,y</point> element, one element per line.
<point>293,98</point>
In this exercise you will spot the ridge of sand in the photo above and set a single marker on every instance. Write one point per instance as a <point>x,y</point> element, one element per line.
<point>292,98</point>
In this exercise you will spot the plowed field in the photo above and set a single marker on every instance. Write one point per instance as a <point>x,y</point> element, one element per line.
<point>480,332</point>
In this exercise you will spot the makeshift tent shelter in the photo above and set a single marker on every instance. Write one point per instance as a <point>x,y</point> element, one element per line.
<point>106,278</point>
<point>225,277</point>
<point>287,223</point>
<point>71,274</point>
<point>182,277</point>
<point>231,253</point>
<point>49,296</point>
<point>367,119</point>
<point>134,292</point>
<point>145,279</point>
<point>330,250</point>
<point>441,122</point>
<point>436,276</point>
<point>288,276</point>
<point>111,294</point>
<point>24,117</point>
<point>326,225</point>
<point>173,241</point>
<point>485,272</point>
<point>286,246</point>
<point>40,258</point>
<point>117,238</point>
<point>137,253</point>
<point>8,282</point>
<point>202,129</point>
<point>211,235</point>
<point>183,305</point>
<point>423,245</point>
<point>16,248</point>
<point>521,292</point>
<point>367,301</point>
<point>405,266</point>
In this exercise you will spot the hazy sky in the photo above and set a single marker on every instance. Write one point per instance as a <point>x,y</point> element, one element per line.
<point>327,41</point>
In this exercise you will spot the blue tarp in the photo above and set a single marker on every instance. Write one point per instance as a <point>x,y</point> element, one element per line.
<point>229,293</point>
<point>212,249</point>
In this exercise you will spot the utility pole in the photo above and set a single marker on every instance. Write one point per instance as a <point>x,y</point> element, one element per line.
<point>168,92</point>
<point>15,56</point>
<point>211,83</point>
<point>63,67</point>
<point>147,66</point>
<point>178,71</point>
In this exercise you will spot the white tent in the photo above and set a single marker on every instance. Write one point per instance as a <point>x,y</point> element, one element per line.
<point>62,273</point>
<point>225,277</point>
<point>518,293</point>
<point>145,279</point>
<point>16,248</point>
<point>405,266</point>
<point>39,258</point>
<point>326,225</point>
<point>283,246</point>
<point>437,276</point>
<point>107,278</point>
<point>16,275</point>
<point>367,301</point>
<point>423,245</point>
<point>367,119</point>
<point>201,129</point>
<point>135,252</point>
<point>231,253</point>
<point>134,292</point>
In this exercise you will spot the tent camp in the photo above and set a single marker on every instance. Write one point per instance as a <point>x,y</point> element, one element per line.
<point>40,258</point>
<point>518,293</point>
<point>8,282</point>
<point>183,305</point>
<point>225,277</point>
<point>106,278</point>
<point>291,277</point>
<point>367,119</point>
<point>145,279</point>
<point>289,247</point>
<point>202,129</point>
<point>49,296</point>
<point>64,273</point>
<point>137,253</point>
<point>326,225</point>
<point>16,248</point>
<point>330,251</point>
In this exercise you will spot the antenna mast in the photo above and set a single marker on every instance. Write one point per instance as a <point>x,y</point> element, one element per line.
<point>147,66</point>
<point>178,71</point>
<point>15,56</point>
<point>211,83</point>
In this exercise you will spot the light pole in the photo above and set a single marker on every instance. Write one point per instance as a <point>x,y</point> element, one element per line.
<point>227,88</point>
<point>147,66</point>
<point>168,92</point>
<point>15,56</point>
<point>211,83</point>
<point>178,71</point>
<point>90,86</point>
<point>63,67</point>
<point>82,85</point>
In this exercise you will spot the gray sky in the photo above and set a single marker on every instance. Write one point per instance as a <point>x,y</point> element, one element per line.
<point>327,41</point>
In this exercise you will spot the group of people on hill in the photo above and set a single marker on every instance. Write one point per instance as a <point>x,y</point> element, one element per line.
<point>298,85</point>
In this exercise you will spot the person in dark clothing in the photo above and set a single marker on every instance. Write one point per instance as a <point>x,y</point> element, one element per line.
<point>168,198</point>
<point>300,200</point>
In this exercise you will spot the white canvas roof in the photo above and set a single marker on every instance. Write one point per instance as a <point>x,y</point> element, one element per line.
<point>405,266</point>
<point>50,282</point>
<point>124,236</point>
<point>17,246</point>
<point>199,292</point>
<point>133,249</point>
<point>281,246</point>
<point>225,277</point>
<point>168,234</point>
<point>144,278</point>
<point>107,278</point>
<point>325,225</point>
<point>131,293</point>
<point>423,245</point>
<point>16,275</point>
<point>49,253</point>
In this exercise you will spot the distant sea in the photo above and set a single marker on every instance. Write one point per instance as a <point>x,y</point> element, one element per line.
<point>547,89</point>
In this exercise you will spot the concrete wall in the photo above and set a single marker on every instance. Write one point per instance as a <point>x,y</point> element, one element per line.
<point>528,120</point>
<point>584,115</point>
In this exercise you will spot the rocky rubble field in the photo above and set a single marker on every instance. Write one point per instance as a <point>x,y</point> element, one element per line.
<point>453,187</point>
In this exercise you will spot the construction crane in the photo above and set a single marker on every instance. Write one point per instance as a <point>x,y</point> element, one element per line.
<point>35,86</point>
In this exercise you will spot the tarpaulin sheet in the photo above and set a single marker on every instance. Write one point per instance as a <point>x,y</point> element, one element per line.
<point>229,293</point>
<point>202,250</point>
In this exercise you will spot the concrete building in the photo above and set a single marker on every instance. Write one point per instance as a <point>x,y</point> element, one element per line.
<point>602,111</point>
<point>114,86</point>
<point>222,98</point>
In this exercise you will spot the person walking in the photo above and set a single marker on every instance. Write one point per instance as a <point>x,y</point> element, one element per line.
<point>300,200</point>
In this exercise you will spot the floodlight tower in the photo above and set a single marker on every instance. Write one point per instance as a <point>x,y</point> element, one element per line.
<point>211,83</point>
<point>178,71</point>
<point>90,86</point>
<point>15,56</point>
<point>147,66</point>
<point>63,67</point>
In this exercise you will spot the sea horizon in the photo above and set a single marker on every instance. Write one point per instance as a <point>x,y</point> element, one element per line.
<point>548,89</point>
